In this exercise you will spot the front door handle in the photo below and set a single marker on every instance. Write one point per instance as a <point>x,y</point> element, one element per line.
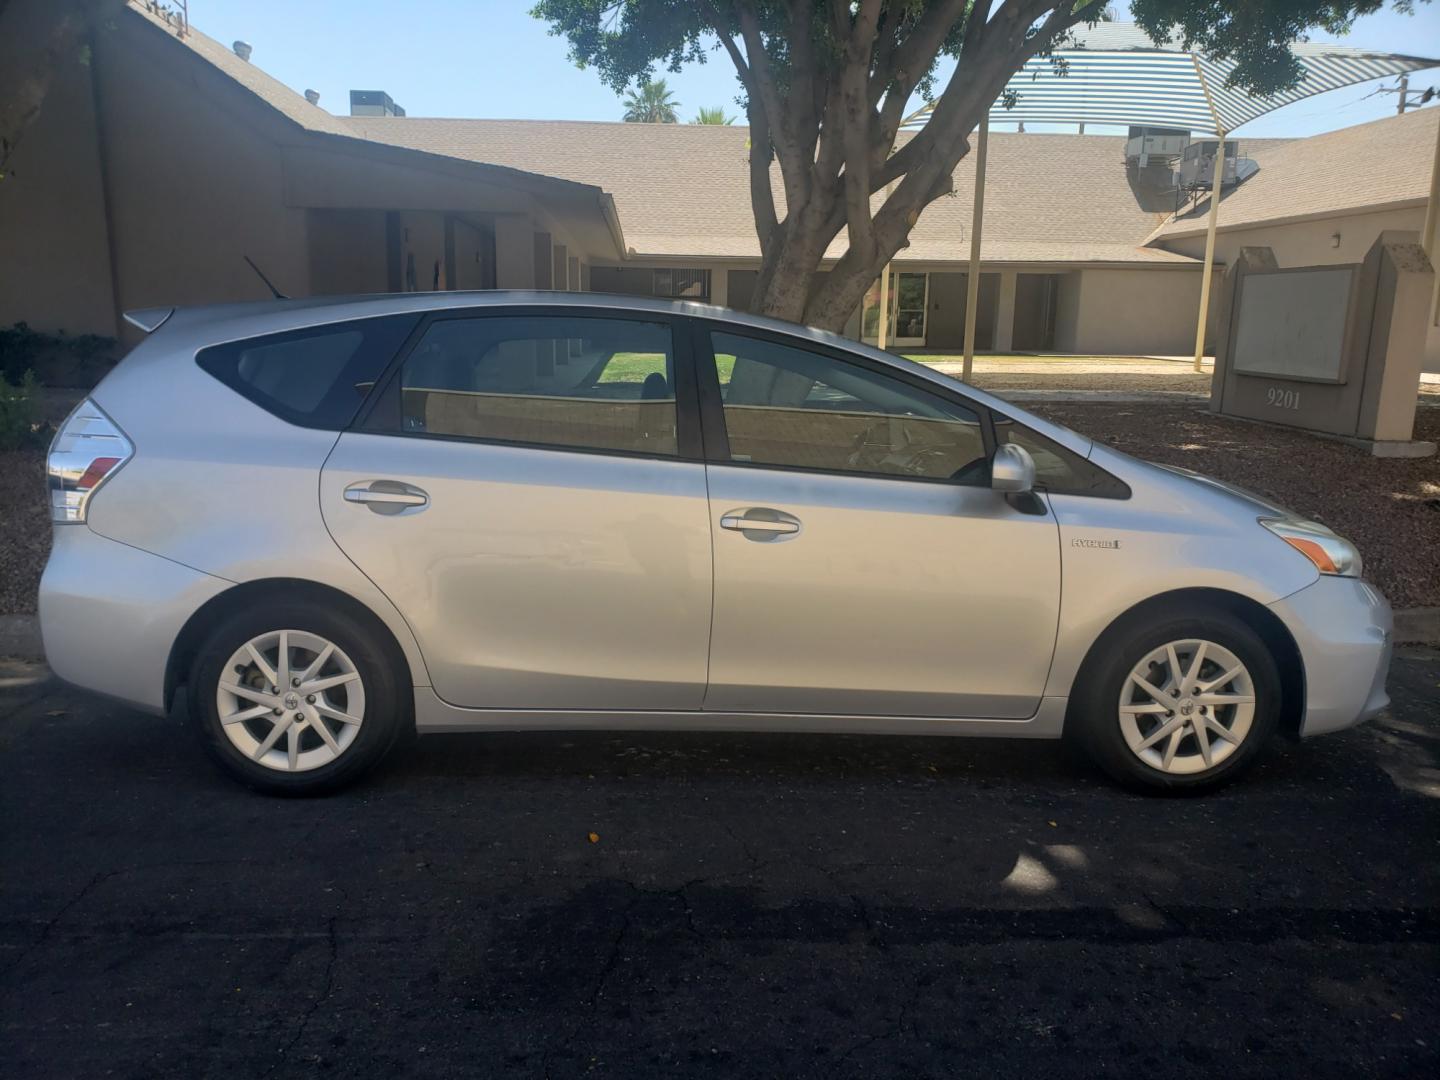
<point>761,523</point>
<point>388,496</point>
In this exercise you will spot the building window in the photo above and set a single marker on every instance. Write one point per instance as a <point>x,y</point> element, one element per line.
<point>683,284</point>
<point>678,284</point>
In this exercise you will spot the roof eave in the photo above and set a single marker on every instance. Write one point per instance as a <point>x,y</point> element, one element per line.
<point>1161,234</point>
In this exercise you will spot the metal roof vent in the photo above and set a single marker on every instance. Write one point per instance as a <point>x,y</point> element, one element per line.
<point>312,96</point>
<point>242,50</point>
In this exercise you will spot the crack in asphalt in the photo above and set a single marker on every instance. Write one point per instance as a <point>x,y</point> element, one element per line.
<point>53,921</point>
<point>332,940</point>
<point>329,986</point>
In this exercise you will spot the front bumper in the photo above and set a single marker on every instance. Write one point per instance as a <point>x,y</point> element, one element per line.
<point>110,614</point>
<point>1344,630</point>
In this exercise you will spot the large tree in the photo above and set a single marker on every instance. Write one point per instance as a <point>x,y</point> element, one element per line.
<point>825,85</point>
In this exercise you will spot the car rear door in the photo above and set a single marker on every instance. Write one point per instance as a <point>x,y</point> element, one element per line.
<point>527,489</point>
<point>863,566</point>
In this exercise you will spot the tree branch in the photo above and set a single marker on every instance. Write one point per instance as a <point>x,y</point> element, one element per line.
<point>762,196</point>
<point>794,169</point>
<point>857,121</point>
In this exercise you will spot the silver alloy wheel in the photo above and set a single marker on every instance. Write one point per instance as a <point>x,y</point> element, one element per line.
<point>1187,706</point>
<point>294,687</point>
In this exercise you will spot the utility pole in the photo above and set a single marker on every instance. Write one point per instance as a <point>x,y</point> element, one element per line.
<point>1422,97</point>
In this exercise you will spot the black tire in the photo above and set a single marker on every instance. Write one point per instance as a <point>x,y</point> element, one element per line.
<point>388,701</point>
<point>1093,719</point>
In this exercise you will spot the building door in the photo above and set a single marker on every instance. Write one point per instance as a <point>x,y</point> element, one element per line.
<point>1035,304</point>
<point>909,300</point>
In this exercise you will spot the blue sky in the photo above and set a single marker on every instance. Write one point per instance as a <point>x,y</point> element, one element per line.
<point>490,58</point>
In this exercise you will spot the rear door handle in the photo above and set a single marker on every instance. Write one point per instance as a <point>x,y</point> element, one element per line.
<point>761,523</point>
<point>388,496</point>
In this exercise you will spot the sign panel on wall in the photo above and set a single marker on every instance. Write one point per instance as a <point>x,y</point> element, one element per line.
<point>1291,323</point>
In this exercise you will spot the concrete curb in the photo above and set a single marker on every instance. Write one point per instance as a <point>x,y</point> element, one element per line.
<point>1418,626</point>
<point>20,637</point>
<point>20,634</point>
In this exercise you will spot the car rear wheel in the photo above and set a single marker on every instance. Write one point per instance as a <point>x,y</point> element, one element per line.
<point>1178,705</point>
<point>296,700</point>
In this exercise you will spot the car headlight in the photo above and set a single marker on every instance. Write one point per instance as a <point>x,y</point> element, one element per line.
<point>1331,554</point>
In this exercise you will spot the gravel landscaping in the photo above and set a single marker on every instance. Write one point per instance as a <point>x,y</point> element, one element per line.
<point>24,529</point>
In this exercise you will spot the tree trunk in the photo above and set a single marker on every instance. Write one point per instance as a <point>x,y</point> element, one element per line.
<point>792,286</point>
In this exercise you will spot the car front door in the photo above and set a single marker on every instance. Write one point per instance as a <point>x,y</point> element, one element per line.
<point>863,566</point>
<point>527,490</point>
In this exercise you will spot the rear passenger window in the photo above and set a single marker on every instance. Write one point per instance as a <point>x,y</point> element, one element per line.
<point>315,378</point>
<point>586,383</point>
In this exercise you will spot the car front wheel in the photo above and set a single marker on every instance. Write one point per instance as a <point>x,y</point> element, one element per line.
<point>1179,705</point>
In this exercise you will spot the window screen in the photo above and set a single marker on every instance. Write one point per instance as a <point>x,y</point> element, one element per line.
<point>789,406</point>
<point>588,383</point>
<point>316,377</point>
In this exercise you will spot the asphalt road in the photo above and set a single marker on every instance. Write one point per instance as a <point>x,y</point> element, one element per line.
<point>755,905</point>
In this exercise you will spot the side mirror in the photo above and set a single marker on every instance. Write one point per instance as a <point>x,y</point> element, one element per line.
<point>1012,469</point>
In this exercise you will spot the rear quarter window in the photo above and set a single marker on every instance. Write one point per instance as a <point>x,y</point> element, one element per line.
<point>317,377</point>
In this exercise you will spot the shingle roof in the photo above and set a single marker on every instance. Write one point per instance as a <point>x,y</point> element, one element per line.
<point>683,189</point>
<point>1385,163</point>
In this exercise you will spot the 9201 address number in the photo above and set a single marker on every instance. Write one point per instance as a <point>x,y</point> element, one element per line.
<point>1280,398</point>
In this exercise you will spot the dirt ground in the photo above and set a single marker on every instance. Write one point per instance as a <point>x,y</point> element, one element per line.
<point>1120,374</point>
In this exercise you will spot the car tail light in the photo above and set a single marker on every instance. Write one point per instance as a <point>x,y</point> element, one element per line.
<point>88,449</point>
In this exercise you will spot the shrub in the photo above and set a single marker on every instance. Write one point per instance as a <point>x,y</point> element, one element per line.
<point>19,405</point>
<point>59,359</point>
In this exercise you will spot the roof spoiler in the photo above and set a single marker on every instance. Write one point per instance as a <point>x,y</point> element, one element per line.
<point>149,319</point>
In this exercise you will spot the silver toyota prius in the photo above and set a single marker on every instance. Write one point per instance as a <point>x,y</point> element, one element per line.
<point>336,521</point>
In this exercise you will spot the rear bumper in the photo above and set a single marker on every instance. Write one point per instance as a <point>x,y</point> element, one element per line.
<point>110,613</point>
<point>1343,628</point>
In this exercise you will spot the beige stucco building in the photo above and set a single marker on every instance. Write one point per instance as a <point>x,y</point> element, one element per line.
<point>156,169</point>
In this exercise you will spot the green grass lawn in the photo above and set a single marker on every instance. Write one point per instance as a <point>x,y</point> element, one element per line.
<point>633,367</point>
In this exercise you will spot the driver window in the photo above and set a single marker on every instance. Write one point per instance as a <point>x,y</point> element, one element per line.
<point>786,406</point>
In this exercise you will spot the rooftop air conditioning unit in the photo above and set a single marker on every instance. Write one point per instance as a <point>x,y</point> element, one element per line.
<point>1196,171</point>
<point>373,103</point>
<point>1152,145</point>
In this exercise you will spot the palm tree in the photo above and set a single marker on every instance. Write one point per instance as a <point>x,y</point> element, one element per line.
<point>651,103</point>
<point>713,115</point>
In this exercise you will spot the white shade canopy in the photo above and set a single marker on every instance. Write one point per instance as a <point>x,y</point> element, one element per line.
<point>1113,73</point>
